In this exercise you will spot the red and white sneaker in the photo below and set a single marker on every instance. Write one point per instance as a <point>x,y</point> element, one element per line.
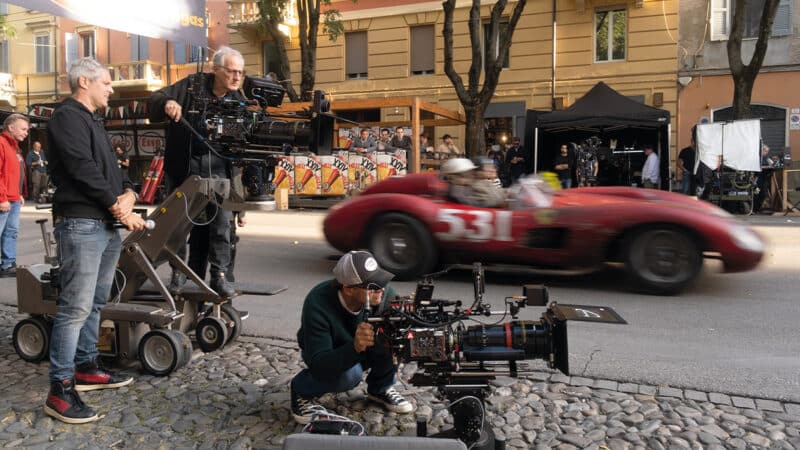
<point>90,376</point>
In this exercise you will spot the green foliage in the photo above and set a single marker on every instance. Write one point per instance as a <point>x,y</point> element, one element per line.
<point>7,30</point>
<point>332,23</point>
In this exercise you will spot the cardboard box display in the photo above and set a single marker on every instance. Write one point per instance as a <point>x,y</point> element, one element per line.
<point>335,173</point>
<point>391,164</point>
<point>307,175</point>
<point>284,174</point>
<point>363,170</point>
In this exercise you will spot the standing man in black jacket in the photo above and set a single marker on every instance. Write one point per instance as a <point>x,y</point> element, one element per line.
<point>186,155</point>
<point>91,194</point>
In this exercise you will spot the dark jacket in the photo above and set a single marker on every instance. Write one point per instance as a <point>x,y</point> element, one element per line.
<point>82,162</point>
<point>327,330</point>
<point>182,146</point>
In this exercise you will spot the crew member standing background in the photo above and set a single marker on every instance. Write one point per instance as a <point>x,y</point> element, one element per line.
<point>37,164</point>
<point>650,175</point>
<point>563,167</point>
<point>186,156</point>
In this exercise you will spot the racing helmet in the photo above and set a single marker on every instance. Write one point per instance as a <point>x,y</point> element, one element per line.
<point>456,166</point>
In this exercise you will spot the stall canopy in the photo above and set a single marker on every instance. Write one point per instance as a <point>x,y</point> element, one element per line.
<point>604,109</point>
<point>603,112</point>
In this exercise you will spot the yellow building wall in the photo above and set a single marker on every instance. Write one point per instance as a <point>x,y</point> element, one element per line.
<point>650,66</point>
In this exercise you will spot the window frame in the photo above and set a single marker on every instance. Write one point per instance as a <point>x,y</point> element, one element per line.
<point>610,38</point>
<point>503,21</point>
<point>5,57</point>
<point>48,47</point>
<point>357,75</point>
<point>421,72</point>
<point>722,18</point>
<point>82,36</point>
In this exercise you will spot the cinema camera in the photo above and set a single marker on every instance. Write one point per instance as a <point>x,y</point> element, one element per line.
<point>249,135</point>
<point>460,360</point>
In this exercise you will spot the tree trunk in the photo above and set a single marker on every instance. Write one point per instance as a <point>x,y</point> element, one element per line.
<point>285,70</point>
<point>475,139</point>
<point>744,76</point>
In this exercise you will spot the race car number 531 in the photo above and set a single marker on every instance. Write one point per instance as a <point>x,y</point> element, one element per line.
<point>474,225</point>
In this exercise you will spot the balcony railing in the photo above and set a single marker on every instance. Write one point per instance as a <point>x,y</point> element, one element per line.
<point>146,74</point>
<point>8,89</point>
<point>242,12</point>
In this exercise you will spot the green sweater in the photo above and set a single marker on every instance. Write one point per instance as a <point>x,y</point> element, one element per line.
<point>327,329</point>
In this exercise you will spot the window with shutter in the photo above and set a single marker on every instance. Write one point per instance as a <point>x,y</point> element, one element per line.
<point>4,56</point>
<point>355,53</point>
<point>720,20</point>
<point>422,48</point>
<point>71,40</point>
<point>42,52</point>
<point>722,12</point>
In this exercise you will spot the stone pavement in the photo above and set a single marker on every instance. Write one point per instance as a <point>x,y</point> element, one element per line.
<point>238,398</point>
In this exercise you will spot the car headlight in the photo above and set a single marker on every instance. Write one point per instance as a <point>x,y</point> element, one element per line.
<point>746,238</point>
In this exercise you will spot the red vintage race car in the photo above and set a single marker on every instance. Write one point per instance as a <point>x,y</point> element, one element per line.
<point>412,227</point>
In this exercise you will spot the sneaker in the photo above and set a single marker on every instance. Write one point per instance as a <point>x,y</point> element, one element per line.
<point>221,286</point>
<point>64,404</point>
<point>9,272</point>
<point>176,282</point>
<point>303,409</point>
<point>393,401</point>
<point>90,377</point>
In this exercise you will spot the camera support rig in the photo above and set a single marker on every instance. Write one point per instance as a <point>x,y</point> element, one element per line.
<point>150,323</point>
<point>460,361</point>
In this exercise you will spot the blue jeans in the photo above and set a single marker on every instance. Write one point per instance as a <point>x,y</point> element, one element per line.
<point>9,224</point>
<point>566,183</point>
<point>380,378</point>
<point>88,251</point>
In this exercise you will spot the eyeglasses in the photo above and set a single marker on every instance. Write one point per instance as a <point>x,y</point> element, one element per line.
<point>370,287</point>
<point>232,71</point>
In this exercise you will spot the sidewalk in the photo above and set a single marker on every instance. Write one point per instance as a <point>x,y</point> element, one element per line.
<point>238,398</point>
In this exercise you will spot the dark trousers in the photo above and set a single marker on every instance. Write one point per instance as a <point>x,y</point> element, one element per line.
<point>38,184</point>
<point>380,378</point>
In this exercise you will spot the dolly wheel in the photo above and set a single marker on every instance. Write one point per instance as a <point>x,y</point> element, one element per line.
<point>233,320</point>
<point>160,352</point>
<point>186,346</point>
<point>32,339</point>
<point>211,333</point>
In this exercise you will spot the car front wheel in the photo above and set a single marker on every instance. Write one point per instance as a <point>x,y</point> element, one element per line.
<point>663,261</point>
<point>402,245</point>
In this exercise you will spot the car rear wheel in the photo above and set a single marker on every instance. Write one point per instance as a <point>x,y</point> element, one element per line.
<point>663,261</point>
<point>403,246</point>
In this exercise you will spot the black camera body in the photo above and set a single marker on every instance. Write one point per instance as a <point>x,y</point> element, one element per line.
<point>460,360</point>
<point>434,334</point>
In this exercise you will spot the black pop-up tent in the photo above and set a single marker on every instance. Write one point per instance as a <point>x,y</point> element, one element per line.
<point>605,113</point>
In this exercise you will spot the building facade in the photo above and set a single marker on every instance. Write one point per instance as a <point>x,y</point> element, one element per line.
<point>706,85</point>
<point>560,50</point>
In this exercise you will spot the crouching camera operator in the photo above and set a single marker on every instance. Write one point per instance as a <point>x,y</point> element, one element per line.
<point>338,345</point>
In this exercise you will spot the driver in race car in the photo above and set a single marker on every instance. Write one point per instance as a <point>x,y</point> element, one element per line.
<point>467,187</point>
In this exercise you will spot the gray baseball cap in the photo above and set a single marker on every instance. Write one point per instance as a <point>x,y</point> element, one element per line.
<point>359,268</point>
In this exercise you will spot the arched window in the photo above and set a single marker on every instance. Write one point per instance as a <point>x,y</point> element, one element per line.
<point>773,122</point>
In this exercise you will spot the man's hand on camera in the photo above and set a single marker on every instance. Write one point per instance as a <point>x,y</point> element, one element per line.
<point>364,338</point>
<point>133,222</point>
<point>173,110</point>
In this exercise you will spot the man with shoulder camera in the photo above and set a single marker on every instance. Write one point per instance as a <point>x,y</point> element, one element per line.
<point>187,155</point>
<point>91,197</point>
<point>336,342</point>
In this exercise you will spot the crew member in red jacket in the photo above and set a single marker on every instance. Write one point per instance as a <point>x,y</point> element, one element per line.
<point>15,130</point>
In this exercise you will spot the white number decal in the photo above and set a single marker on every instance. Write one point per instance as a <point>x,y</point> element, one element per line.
<point>479,226</point>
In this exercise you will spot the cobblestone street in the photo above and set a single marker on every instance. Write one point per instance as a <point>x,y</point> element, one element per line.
<point>238,398</point>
